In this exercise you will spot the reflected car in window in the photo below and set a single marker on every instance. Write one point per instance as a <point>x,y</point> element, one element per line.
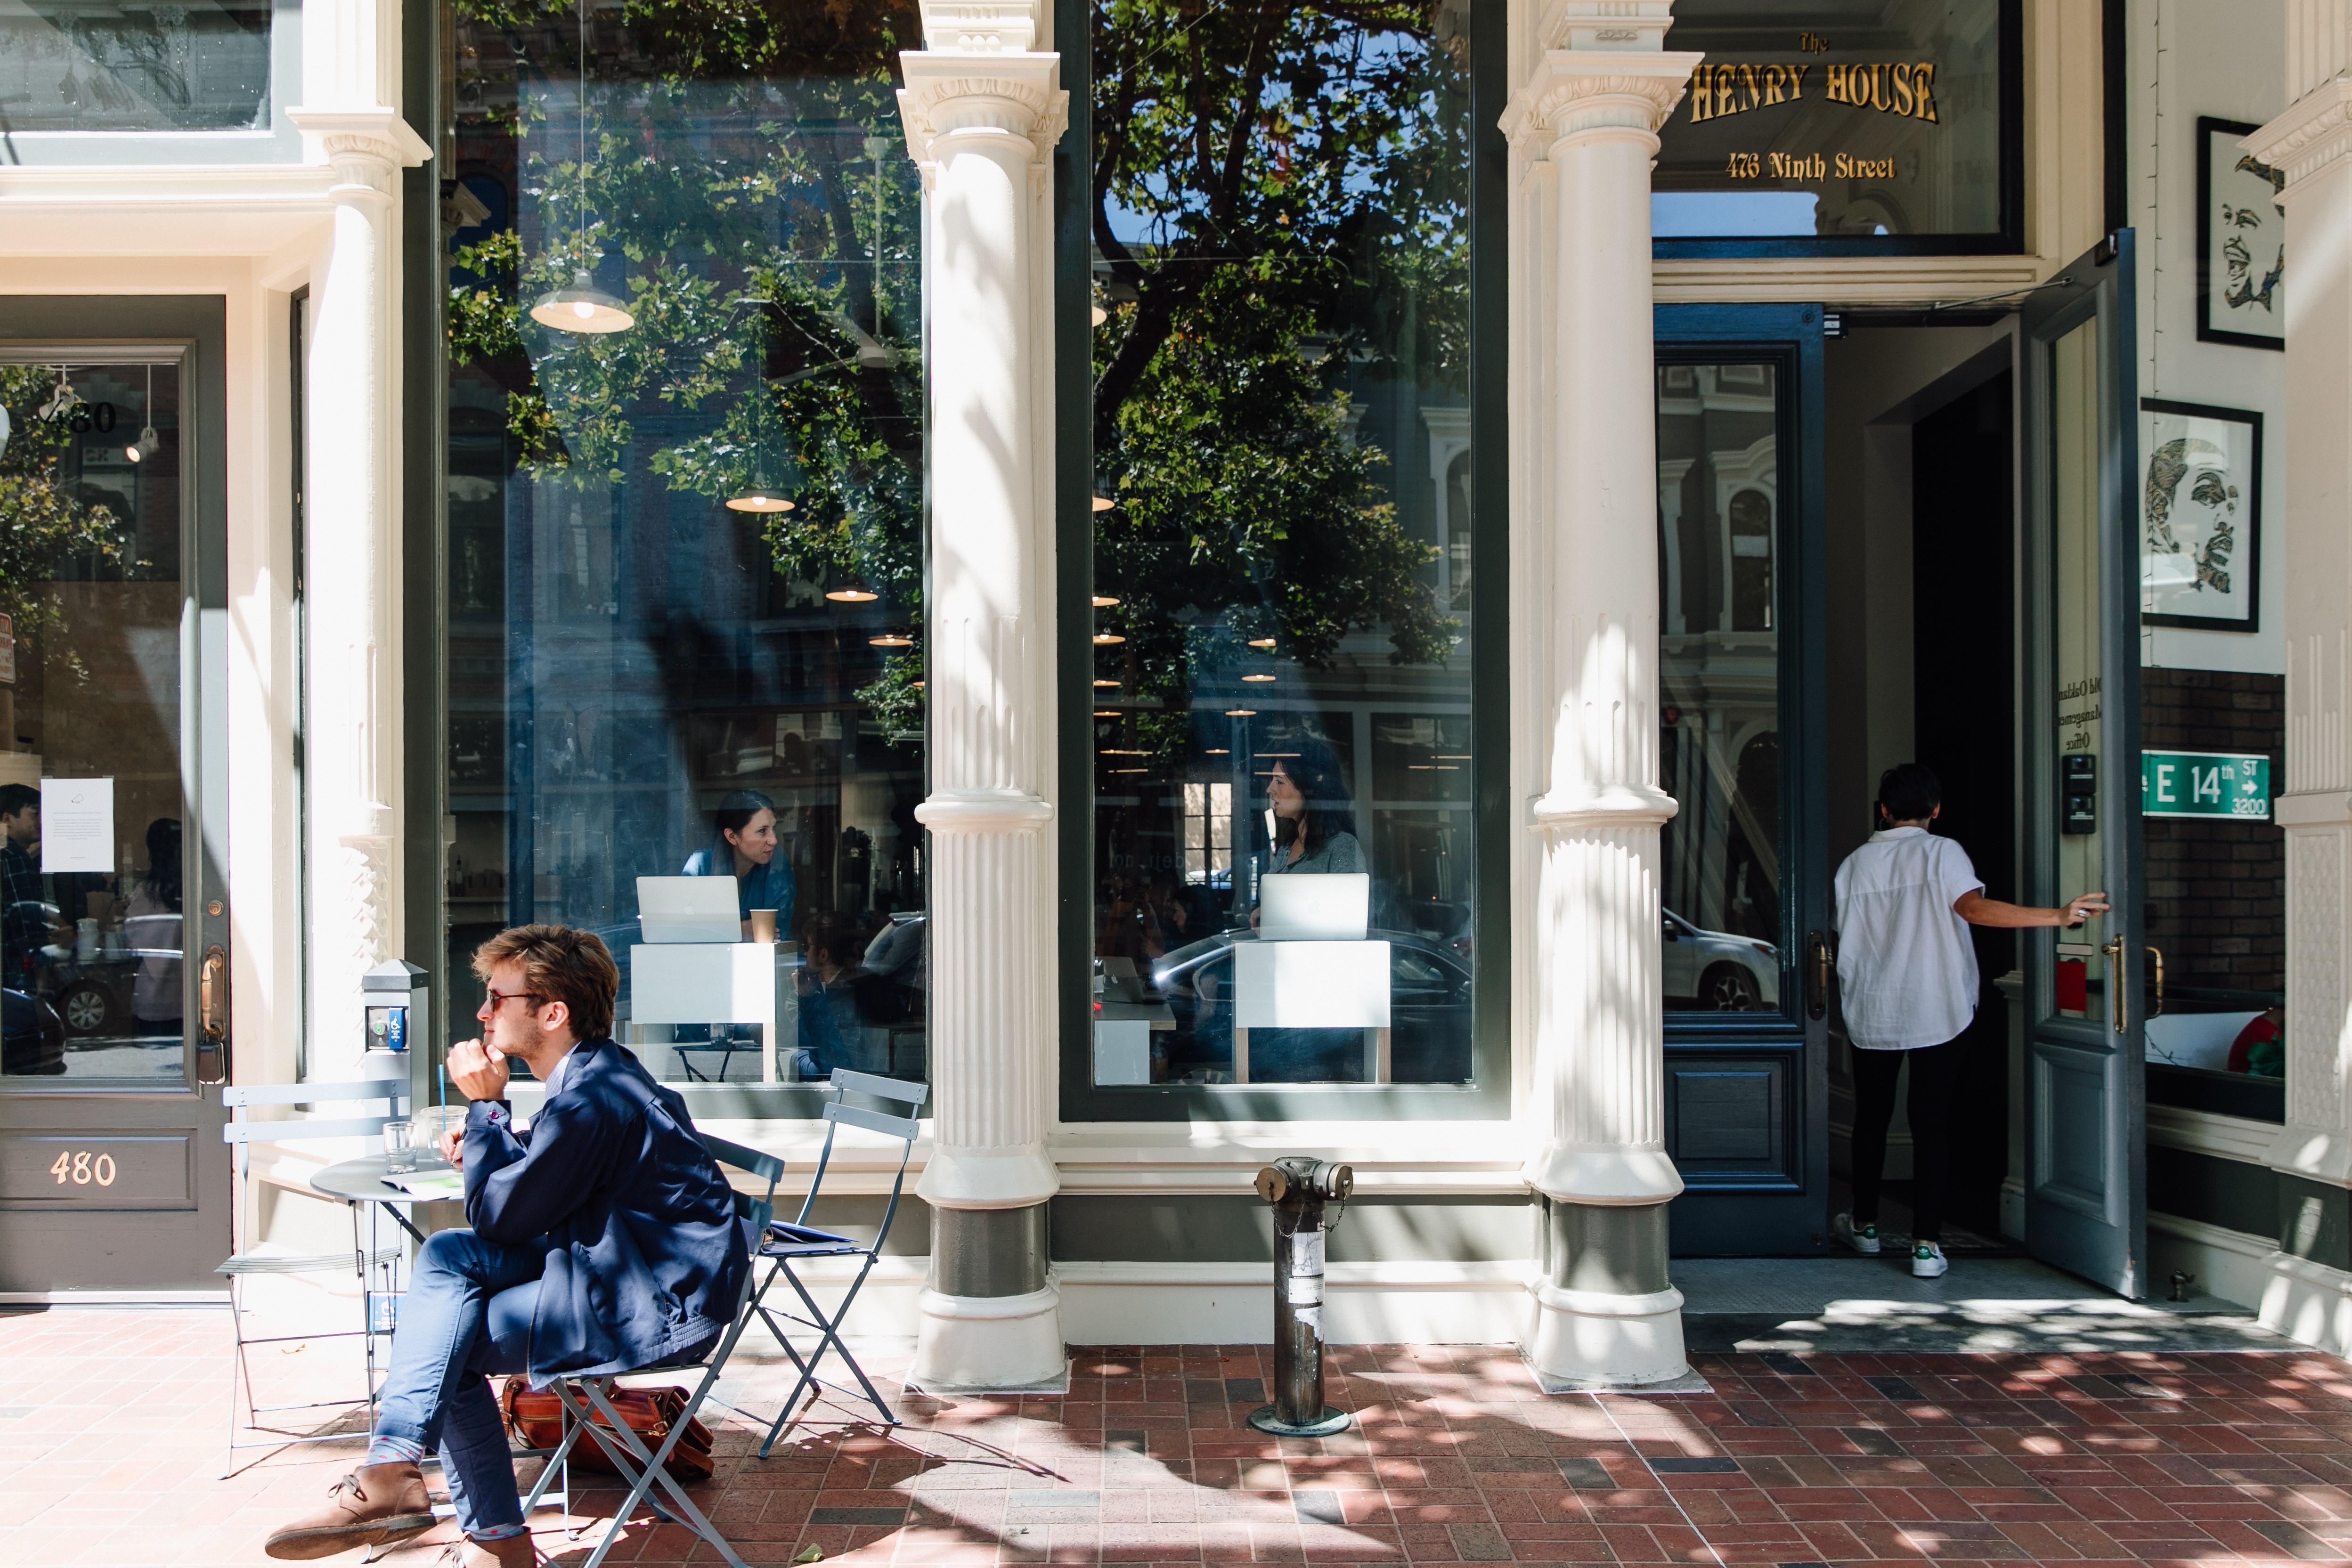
<point>1428,1005</point>
<point>1718,971</point>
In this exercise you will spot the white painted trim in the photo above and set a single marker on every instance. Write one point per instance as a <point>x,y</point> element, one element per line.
<point>114,1299</point>
<point>2207,1132</point>
<point>2308,1301</point>
<point>2226,1263</point>
<point>1508,1275</point>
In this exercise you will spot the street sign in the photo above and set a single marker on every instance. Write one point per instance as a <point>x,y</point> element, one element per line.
<point>2204,784</point>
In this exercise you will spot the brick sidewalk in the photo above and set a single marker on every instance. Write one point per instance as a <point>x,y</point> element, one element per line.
<point>110,1453</point>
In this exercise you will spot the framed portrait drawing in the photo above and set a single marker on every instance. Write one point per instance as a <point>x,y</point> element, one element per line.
<point>2241,242</point>
<point>2200,497</point>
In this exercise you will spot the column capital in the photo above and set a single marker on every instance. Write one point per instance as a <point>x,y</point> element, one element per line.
<point>1579,91</point>
<point>1616,805</point>
<point>2315,132</point>
<point>364,147</point>
<point>984,811</point>
<point>1009,94</point>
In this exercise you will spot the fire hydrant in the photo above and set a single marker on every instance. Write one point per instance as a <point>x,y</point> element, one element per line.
<point>1298,1187</point>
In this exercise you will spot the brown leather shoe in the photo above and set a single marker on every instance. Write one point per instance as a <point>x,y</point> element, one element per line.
<point>375,1505</point>
<point>507,1551</point>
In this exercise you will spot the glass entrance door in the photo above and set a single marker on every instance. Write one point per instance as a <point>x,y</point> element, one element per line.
<point>2085,1157</point>
<point>111,1168</point>
<point>1740,546</point>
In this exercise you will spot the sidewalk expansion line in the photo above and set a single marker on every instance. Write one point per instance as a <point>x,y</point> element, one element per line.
<point>1635,1450</point>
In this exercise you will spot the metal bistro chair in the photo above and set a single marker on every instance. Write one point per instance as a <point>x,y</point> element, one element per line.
<point>797,1239</point>
<point>242,1265</point>
<point>592,1397</point>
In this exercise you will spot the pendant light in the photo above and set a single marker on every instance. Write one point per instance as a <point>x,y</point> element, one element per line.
<point>149,442</point>
<point>758,496</point>
<point>851,590</point>
<point>584,307</point>
<point>763,496</point>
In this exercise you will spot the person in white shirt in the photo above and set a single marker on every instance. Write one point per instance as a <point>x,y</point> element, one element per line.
<point>1907,974</point>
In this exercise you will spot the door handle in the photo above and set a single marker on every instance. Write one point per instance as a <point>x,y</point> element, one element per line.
<point>2157,954</point>
<point>2118,1005</point>
<point>212,1017</point>
<point>1817,974</point>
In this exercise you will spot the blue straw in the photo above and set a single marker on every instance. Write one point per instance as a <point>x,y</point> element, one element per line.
<point>441,1094</point>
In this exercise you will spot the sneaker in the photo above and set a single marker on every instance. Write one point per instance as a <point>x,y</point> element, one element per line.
<point>1928,1260</point>
<point>1862,1239</point>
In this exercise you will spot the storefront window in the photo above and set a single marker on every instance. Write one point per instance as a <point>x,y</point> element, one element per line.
<point>95,65</point>
<point>686,524</point>
<point>93,840</point>
<point>1814,122</point>
<point>1284,843</point>
<point>1718,516</point>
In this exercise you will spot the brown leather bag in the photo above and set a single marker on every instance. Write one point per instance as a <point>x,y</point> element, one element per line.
<point>536,1421</point>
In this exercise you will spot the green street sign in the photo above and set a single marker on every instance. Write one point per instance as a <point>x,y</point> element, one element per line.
<point>2204,784</point>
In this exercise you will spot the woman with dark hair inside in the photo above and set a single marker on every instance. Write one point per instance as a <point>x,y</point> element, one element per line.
<point>1314,834</point>
<point>745,849</point>
<point>151,922</point>
<point>1313,826</point>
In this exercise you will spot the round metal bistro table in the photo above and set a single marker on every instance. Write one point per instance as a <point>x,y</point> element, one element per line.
<point>363,1180</point>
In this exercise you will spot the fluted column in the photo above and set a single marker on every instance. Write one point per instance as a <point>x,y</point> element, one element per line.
<point>2310,1294</point>
<point>983,111</point>
<point>352,376</point>
<point>1583,129</point>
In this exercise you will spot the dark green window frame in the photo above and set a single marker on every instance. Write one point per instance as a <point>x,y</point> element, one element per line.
<point>1488,1096</point>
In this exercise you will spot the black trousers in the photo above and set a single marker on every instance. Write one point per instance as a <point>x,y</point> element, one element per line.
<point>1935,1080</point>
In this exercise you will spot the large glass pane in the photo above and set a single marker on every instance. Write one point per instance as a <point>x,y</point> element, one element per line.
<point>1284,835</point>
<point>1809,120</point>
<point>104,65</point>
<point>686,520</point>
<point>1718,533</point>
<point>2079,986</point>
<point>94,857</point>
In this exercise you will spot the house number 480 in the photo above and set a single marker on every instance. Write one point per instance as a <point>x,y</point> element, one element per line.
<point>77,1167</point>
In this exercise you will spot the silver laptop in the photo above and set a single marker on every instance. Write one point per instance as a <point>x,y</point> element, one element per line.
<point>688,909</point>
<point>1330,907</point>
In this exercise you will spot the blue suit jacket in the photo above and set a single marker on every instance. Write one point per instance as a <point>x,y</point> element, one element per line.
<point>645,1257</point>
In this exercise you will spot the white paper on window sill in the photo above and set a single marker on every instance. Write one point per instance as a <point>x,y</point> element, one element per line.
<point>76,824</point>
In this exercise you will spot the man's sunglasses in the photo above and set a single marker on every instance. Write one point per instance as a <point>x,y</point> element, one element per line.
<point>500,998</point>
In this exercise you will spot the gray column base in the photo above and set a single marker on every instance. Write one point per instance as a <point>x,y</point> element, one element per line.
<point>1606,1315</point>
<point>991,1314</point>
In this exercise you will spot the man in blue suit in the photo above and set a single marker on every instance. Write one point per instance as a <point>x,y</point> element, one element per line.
<point>605,1239</point>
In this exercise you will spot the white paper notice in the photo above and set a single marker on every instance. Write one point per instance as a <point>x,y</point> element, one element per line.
<point>76,824</point>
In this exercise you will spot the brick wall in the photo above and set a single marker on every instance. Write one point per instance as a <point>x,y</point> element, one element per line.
<point>2217,890</point>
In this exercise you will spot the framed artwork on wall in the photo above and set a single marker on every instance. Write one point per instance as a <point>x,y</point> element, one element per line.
<point>2241,241</point>
<point>2200,516</point>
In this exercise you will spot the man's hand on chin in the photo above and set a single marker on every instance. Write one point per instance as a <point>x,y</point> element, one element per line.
<point>478,1070</point>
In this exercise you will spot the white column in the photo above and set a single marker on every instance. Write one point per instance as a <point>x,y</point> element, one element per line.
<point>983,111</point>
<point>1583,131</point>
<point>351,373</point>
<point>2310,1294</point>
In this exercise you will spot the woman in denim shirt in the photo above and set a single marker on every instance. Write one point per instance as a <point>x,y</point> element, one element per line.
<point>1314,834</point>
<point>746,851</point>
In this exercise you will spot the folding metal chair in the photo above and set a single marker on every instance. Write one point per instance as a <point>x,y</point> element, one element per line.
<point>799,1240</point>
<point>594,1396</point>
<point>392,1093</point>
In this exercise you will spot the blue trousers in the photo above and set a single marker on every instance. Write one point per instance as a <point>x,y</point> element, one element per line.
<point>467,1316</point>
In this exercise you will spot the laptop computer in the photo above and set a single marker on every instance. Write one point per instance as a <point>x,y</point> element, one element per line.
<point>1330,907</point>
<point>688,909</point>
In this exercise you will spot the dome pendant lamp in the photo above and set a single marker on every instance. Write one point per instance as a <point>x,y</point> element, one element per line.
<point>762,495</point>
<point>584,307</point>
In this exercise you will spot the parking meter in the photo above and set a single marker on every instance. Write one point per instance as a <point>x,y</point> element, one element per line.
<point>1298,1188</point>
<point>394,996</point>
